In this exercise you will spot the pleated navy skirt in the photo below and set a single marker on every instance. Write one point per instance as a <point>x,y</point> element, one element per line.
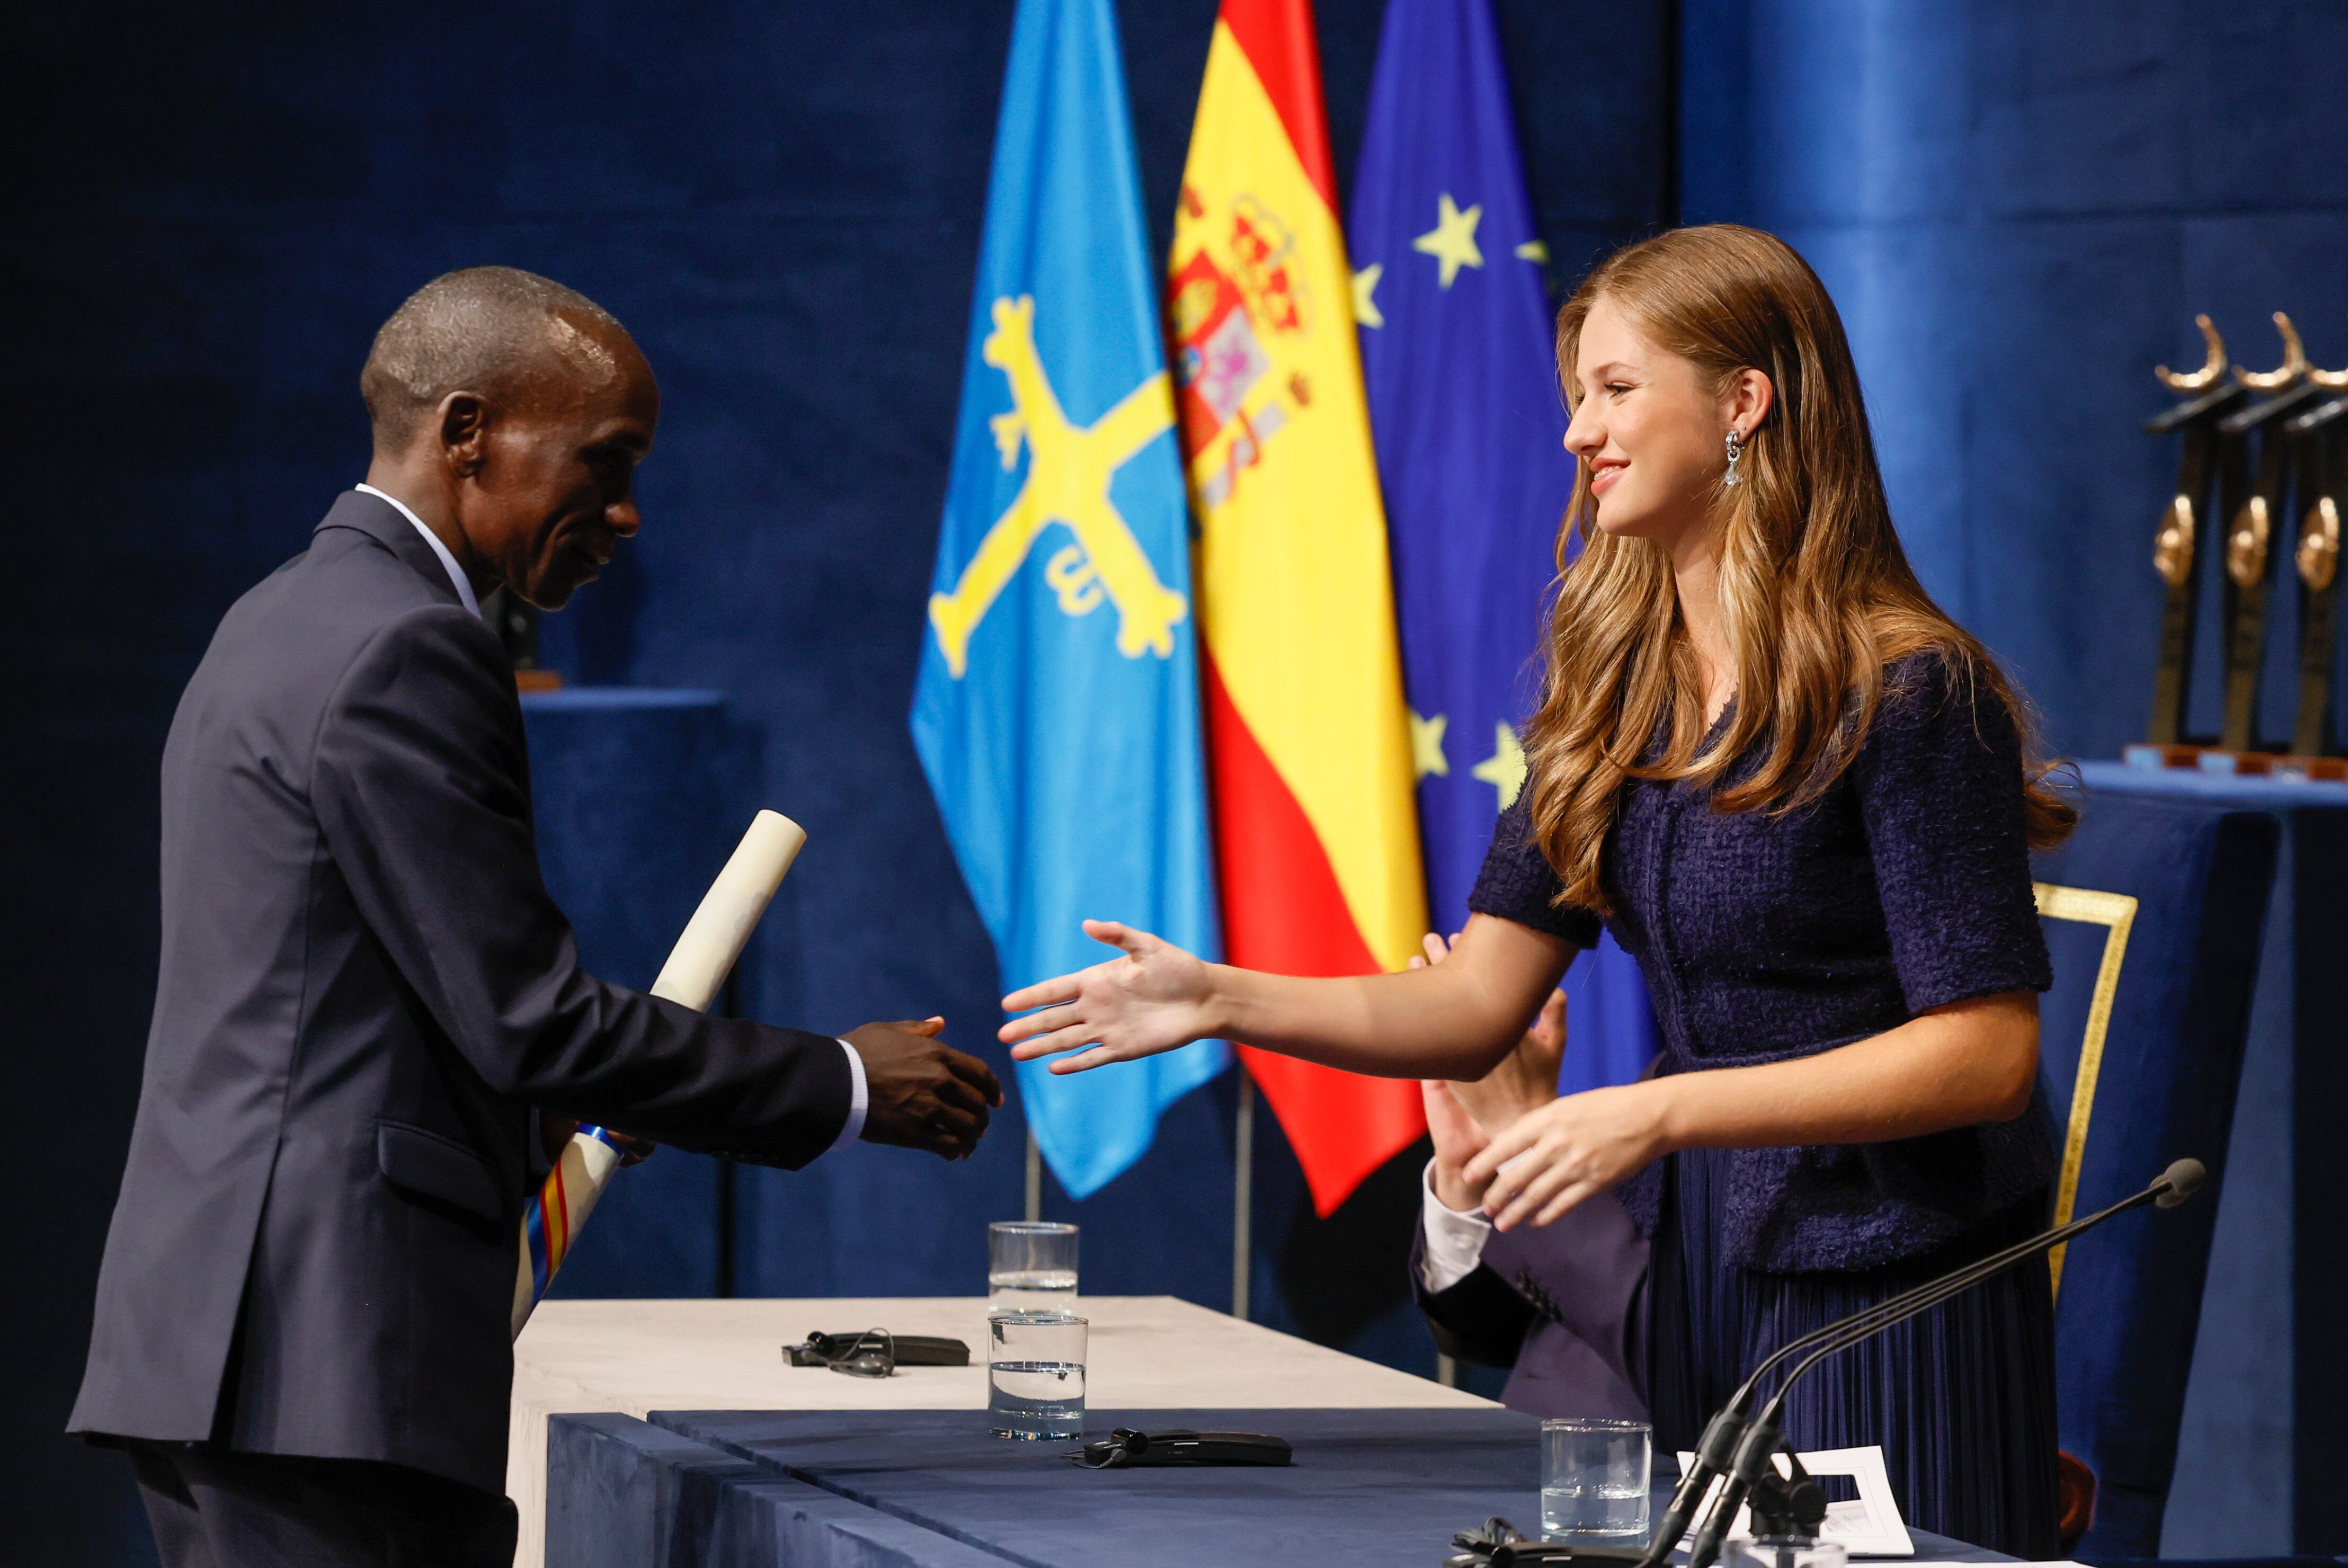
<point>1961,1398</point>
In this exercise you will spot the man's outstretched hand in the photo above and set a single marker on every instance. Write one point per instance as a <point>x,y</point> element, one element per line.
<point>922,1093</point>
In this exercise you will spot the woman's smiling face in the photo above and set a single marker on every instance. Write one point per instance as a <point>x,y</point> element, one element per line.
<point>1651,434</point>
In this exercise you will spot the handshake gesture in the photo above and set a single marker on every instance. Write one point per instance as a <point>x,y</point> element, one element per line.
<point>1477,1020</point>
<point>920,1092</point>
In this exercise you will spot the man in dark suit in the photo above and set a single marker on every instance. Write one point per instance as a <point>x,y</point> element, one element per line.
<point>1558,1305</point>
<point>370,1018</point>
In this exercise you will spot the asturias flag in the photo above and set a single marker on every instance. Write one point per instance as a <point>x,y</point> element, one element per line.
<point>1307,735</point>
<point>1058,712</point>
<point>1459,357</point>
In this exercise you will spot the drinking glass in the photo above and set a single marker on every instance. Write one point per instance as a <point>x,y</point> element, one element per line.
<point>1031,1266</point>
<point>1595,1479</point>
<point>1035,1374</point>
<point>1742,1553</point>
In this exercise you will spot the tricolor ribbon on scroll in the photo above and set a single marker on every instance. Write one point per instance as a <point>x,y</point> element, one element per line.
<point>696,967</point>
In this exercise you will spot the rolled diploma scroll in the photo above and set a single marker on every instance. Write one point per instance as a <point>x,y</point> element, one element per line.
<point>713,938</point>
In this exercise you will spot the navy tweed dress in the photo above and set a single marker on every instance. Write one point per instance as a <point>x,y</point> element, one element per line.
<point>1767,936</point>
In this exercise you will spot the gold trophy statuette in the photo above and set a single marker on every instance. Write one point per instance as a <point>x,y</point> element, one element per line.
<point>2172,547</point>
<point>2318,558</point>
<point>2206,397</point>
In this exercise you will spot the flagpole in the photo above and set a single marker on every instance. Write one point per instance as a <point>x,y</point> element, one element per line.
<point>1035,1179</point>
<point>1242,1192</point>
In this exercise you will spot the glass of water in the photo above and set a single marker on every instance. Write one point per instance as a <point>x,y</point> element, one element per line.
<point>1031,1266</point>
<point>1775,1553</point>
<point>1595,1480</point>
<point>1035,1374</point>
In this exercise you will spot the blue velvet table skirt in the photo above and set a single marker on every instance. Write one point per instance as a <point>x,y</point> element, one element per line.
<point>932,1489</point>
<point>2259,1455</point>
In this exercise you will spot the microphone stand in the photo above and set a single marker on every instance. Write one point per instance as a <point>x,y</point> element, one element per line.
<point>1716,1451</point>
<point>1740,1445</point>
<point>1749,1444</point>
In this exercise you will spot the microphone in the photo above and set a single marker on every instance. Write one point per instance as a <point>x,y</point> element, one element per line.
<point>1740,1447</point>
<point>2182,1180</point>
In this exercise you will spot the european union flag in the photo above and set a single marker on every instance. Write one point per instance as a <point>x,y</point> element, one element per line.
<point>1457,350</point>
<point>1057,711</point>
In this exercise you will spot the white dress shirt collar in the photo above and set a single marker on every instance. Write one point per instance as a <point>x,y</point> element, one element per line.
<point>463,587</point>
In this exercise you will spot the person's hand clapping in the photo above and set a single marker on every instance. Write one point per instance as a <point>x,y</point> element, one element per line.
<point>1461,1118</point>
<point>1153,999</point>
<point>1457,1140</point>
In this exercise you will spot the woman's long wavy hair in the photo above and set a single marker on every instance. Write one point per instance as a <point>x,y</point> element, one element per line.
<point>1815,596</point>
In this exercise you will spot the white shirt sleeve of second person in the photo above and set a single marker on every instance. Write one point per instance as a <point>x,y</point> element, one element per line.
<point>858,1100</point>
<point>1455,1241</point>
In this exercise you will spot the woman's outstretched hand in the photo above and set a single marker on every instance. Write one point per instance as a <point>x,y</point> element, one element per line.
<point>1152,999</point>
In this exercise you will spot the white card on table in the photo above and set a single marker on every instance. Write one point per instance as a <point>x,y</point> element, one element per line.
<point>1868,1526</point>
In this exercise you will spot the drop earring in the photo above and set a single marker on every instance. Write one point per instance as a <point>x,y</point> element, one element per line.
<point>1735,451</point>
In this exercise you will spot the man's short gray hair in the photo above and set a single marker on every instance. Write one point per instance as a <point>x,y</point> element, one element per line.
<point>482,329</point>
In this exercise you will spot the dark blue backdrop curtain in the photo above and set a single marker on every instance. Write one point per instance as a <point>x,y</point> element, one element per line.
<point>2018,205</point>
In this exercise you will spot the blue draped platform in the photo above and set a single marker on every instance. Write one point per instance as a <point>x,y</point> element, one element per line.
<point>2260,1456</point>
<point>932,1489</point>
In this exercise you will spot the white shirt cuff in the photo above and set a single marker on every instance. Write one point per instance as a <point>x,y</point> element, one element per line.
<point>859,1098</point>
<point>1455,1241</point>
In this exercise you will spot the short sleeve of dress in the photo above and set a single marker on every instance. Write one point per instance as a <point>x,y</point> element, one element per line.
<point>1516,883</point>
<point>1940,789</point>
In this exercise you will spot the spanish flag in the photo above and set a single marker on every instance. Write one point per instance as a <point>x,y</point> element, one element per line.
<point>1309,753</point>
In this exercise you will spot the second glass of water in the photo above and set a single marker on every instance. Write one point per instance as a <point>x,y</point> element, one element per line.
<point>1035,1374</point>
<point>1031,1266</point>
<point>1775,1553</point>
<point>1595,1480</point>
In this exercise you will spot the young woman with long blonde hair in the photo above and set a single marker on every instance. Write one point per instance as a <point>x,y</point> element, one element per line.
<point>1803,798</point>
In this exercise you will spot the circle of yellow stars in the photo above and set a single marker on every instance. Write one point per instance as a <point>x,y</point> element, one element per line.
<point>1504,770</point>
<point>1452,243</point>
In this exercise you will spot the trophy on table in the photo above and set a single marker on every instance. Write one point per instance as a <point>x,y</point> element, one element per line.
<point>2270,456</point>
<point>2208,395</point>
<point>2317,436</point>
<point>2253,528</point>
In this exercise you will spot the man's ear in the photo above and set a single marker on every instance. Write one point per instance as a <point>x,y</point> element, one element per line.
<point>464,432</point>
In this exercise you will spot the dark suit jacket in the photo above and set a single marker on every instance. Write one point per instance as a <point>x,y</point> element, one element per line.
<point>1559,1304</point>
<point>363,993</point>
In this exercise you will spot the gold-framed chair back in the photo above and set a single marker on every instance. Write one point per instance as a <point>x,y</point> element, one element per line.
<point>2116,911</point>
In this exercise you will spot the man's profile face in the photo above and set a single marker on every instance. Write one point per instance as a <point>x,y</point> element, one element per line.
<point>555,489</point>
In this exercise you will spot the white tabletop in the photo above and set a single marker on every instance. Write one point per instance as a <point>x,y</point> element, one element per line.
<point>1146,1352</point>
